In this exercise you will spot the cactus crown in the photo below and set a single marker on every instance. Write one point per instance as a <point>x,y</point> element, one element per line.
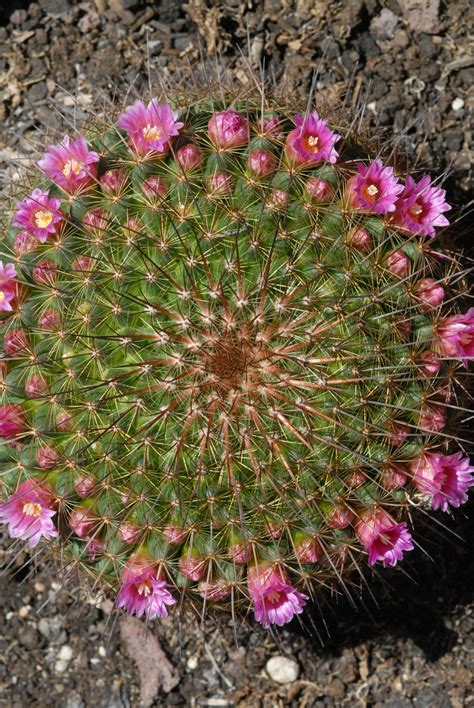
<point>229,354</point>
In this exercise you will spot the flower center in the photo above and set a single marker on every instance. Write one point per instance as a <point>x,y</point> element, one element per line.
<point>310,142</point>
<point>273,597</point>
<point>416,211</point>
<point>372,190</point>
<point>145,588</point>
<point>72,166</point>
<point>43,219</point>
<point>152,132</point>
<point>32,509</point>
<point>2,296</point>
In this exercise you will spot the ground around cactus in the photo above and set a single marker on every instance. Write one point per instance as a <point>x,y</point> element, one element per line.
<point>414,644</point>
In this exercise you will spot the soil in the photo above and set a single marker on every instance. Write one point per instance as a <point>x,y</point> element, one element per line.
<point>407,639</point>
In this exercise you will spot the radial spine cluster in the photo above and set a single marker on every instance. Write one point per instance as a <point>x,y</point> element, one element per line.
<point>229,358</point>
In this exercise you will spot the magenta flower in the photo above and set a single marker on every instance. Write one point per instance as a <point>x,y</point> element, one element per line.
<point>276,600</point>
<point>374,188</point>
<point>12,420</point>
<point>7,286</point>
<point>39,215</point>
<point>228,129</point>
<point>28,513</point>
<point>311,141</point>
<point>420,207</point>
<point>382,537</point>
<point>446,478</point>
<point>150,128</point>
<point>456,336</point>
<point>142,593</point>
<point>70,164</point>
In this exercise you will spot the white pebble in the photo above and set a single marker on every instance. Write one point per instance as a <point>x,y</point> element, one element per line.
<point>60,666</point>
<point>65,653</point>
<point>457,104</point>
<point>102,651</point>
<point>192,662</point>
<point>282,670</point>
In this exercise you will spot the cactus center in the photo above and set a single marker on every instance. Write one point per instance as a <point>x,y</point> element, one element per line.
<point>228,360</point>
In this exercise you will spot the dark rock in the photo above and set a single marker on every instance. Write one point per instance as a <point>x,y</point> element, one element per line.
<point>55,7</point>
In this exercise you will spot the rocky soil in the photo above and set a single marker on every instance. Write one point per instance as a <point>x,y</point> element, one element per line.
<point>410,63</point>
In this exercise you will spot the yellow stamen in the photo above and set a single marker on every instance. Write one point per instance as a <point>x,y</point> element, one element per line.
<point>43,219</point>
<point>152,132</point>
<point>273,596</point>
<point>372,190</point>
<point>144,588</point>
<point>313,140</point>
<point>32,509</point>
<point>2,296</point>
<point>72,166</point>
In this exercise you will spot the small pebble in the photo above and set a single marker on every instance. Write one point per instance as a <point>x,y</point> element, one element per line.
<point>457,104</point>
<point>65,653</point>
<point>192,662</point>
<point>24,611</point>
<point>39,587</point>
<point>282,670</point>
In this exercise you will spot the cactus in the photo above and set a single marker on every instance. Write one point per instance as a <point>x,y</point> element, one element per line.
<point>230,357</point>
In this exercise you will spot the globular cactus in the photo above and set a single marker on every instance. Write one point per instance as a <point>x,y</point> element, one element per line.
<point>231,347</point>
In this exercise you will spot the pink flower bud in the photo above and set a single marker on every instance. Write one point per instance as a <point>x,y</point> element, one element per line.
<point>12,420</point>
<point>174,534</point>
<point>269,127</point>
<point>220,183</point>
<point>128,532</point>
<point>49,320</point>
<point>398,433</point>
<point>278,199</point>
<point>430,292</point>
<point>47,457</point>
<point>155,188</point>
<point>319,190</point>
<point>398,263</point>
<point>261,163</point>
<point>308,550</point>
<point>429,364</point>
<point>214,590</point>
<point>228,129</point>
<point>83,485</point>
<point>24,242</point>
<point>192,566</point>
<point>240,552</point>
<point>432,418</point>
<point>82,264</point>
<point>82,521</point>
<point>356,478</point>
<point>340,517</point>
<point>16,341</point>
<point>45,272</point>
<point>36,386</point>
<point>393,478</point>
<point>64,421</point>
<point>361,241</point>
<point>113,182</point>
<point>190,157</point>
<point>96,220</point>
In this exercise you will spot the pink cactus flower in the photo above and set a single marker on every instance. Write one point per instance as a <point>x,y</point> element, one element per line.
<point>432,418</point>
<point>455,336</point>
<point>70,165</point>
<point>398,263</point>
<point>261,163</point>
<point>113,182</point>
<point>12,420</point>
<point>39,214</point>
<point>445,478</point>
<point>430,293</point>
<point>361,241</point>
<point>420,207</point>
<point>24,243</point>
<point>319,190</point>
<point>150,128</point>
<point>228,129</point>
<point>7,286</point>
<point>382,537</point>
<point>429,364</point>
<point>311,141</point>
<point>276,601</point>
<point>375,188</point>
<point>28,513</point>
<point>190,157</point>
<point>15,341</point>
<point>143,593</point>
